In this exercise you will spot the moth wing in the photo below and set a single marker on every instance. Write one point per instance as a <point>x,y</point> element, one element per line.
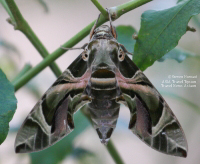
<point>52,117</point>
<point>151,118</point>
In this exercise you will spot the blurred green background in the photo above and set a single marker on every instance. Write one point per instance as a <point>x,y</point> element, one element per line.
<point>54,22</point>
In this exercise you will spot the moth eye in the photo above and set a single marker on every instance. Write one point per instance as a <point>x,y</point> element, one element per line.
<point>85,56</point>
<point>121,55</point>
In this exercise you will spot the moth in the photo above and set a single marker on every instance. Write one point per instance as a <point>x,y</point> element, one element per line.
<point>100,79</point>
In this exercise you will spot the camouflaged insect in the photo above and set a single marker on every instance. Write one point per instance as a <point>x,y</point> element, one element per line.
<point>101,78</point>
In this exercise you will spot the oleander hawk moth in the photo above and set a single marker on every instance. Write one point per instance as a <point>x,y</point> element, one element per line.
<point>101,78</point>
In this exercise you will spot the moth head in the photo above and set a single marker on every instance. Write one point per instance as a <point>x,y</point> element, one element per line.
<point>99,54</point>
<point>104,51</point>
<point>105,55</point>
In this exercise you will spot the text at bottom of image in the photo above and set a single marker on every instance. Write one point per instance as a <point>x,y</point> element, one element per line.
<point>180,81</point>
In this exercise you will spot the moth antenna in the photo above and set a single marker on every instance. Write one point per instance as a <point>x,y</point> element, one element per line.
<point>125,50</point>
<point>129,53</point>
<point>113,29</point>
<point>94,27</point>
<point>75,48</point>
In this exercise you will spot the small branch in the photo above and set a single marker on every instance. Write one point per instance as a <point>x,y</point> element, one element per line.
<point>4,4</point>
<point>113,152</point>
<point>117,11</point>
<point>135,36</point>
<point>20,24</point>
<point>73,41</point>
<point>100,8</point>
<point>192,29</point>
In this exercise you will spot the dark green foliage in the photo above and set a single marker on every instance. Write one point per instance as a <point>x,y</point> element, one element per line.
<point>8,105</point>
<point>161,30</point>
<point>179,55</point>
<point>125,36</point>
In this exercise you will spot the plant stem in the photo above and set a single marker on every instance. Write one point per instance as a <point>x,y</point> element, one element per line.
<point>4,4</point>
<point>117,11</point>
<point>73,41</point>
<point>113,152</point>
<point>100,8</point>
<point>21,24</point>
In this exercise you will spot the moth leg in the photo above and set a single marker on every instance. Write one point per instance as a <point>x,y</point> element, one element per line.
<point>75,48</point>
<point>112,28</point>
<point>94,27</point>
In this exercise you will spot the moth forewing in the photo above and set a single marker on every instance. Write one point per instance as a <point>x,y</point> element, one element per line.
<point>151,118</point>
<point>52,117</point>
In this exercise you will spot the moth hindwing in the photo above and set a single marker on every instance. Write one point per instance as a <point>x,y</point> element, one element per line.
<point>100,79</point>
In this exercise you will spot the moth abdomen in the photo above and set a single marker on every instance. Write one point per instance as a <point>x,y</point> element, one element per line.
<point>104,121</point>
<point>103,104</point>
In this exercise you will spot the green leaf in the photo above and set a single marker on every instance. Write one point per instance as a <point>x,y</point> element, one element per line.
<point>179,55</point>
<point>60,150</point>
<point>161,30</point>
<point>8,105</point>
<point>81,152</point>
<point>125,37</point>
<point>84,156</point>
<point>179,1</point>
